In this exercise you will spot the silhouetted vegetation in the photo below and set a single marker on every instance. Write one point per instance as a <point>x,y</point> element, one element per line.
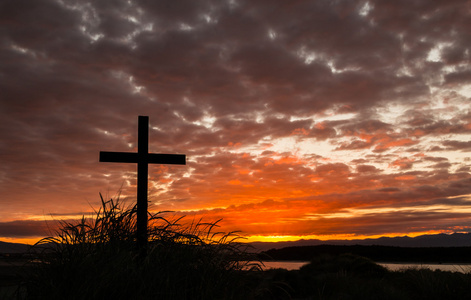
<point>348,276</point>
<point>375,253</point>
<point>98,259</point>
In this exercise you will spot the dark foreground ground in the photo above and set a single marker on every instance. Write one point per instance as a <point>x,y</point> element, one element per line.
<point>343,276</point>
<point>11,275</point>
<point>349,276</point>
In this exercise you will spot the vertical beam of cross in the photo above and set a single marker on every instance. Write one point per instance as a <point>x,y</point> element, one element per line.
<point>143,158</point>
<point>142,176</point>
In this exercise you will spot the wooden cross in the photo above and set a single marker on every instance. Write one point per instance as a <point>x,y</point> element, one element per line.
<point>142,158</point>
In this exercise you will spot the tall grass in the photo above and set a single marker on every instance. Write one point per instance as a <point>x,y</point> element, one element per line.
<point>97,258</point>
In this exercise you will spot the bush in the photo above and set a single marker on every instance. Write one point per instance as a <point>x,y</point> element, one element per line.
<point>98,258</point>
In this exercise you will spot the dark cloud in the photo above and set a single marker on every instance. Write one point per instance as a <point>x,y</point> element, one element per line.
<point>25,229</point>
<point>367,169</point>
<point>457,145</point>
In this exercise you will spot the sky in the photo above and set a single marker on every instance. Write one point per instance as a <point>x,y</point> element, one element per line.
<point>327,119</point>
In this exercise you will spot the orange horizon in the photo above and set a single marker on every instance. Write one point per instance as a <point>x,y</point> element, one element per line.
<point>275,239</point>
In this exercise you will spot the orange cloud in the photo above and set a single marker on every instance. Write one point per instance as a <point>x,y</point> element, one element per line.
<point>403,163</point>
<point>406,177</point>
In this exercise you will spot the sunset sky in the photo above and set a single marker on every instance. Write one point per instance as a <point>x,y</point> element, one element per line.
<point>327,119</point>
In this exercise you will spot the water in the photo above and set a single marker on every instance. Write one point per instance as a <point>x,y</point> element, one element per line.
<point>296,265</point>
<point>288,265</point>
<point>463,268</point>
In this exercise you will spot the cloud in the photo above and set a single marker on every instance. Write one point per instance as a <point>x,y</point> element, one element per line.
<point>367,169</point>
<point>25,229</point>
<point>318,106</point>
<point>457,145</point>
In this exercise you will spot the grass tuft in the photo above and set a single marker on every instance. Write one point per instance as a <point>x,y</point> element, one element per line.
<point>97,258</point>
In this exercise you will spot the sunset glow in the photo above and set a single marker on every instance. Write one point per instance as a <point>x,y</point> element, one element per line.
<point>306,120</point>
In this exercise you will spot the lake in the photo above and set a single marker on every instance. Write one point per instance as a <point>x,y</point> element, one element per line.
<point>295,265</point>
<point>463,268</point>
<point>288,265</point>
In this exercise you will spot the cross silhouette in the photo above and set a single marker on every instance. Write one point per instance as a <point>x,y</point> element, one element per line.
<point>143,158</point>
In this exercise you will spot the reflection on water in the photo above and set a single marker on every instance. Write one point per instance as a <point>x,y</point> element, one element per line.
<point>288,265</point>
<point>441,267</point>
<point>296,265</point>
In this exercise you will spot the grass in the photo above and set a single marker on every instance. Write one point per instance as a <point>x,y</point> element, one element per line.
<point>97,258</point>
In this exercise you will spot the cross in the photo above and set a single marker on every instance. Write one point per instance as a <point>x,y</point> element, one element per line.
<point>142,158</point>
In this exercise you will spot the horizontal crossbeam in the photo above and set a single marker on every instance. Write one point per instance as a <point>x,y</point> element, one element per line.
<point>150,158</point>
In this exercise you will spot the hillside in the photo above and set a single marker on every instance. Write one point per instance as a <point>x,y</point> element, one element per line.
<point>13,248</point>
<point>457,255</point>
<point>436,240</point>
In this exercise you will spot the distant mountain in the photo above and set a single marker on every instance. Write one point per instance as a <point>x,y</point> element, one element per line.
<point>435,240</point>
<point>13,247</point>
